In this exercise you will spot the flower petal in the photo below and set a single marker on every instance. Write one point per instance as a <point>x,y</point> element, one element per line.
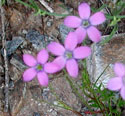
<point>51,67</point>
<point>84,10</point>
<point>81,52</point>
<point>115,84</point>
<point>42,56</point>
<point>122,92</point>
<point>97,18</point>
<point>81,34</point>
<point>72,68</point>
<point>43,79</point>
<point>29,60</point>
<point>56,48</point>
<point>60,61</point>
<point>29,74</point>
<point>119,69</point>
<point>94,34</point>
<point>72,21</point>
<point>71,41</point>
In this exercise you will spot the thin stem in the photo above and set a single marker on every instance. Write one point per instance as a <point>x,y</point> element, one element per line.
<point>6,89</point>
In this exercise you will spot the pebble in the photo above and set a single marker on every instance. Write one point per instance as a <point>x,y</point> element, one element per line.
<point>38,41</point>
<point>18,63</point>
<point>64,30</point>
<point>13,45</point>
<point>104,55</point>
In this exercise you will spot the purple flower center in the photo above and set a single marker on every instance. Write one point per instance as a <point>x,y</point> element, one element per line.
<point>68,54</point>
<point>39,67</point>
<point>85,23</point>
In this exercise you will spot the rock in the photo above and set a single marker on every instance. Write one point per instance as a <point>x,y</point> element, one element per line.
<point>60,10</point>
<point>0,35</point>
<point>64,91</point>
<point>64,30</point>
<point>24,31</point>
<point>1,69</point>
<point>28,99</point>
<point>16,19</point>
<point>49,22</point>
<point>36,114</point>
<point>104,55</point>
<point>18,63</point>
<point>33,21</point>
<point>13,45</point>
<point>38,41</point>
<point>15,74</point>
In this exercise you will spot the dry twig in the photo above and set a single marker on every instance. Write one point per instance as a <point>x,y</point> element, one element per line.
<point>46,6</point>
<point>6,89</point>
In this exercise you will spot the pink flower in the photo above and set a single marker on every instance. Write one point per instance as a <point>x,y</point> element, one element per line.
<point>118,83</point>
<point>85,24</point>
<point>69,55</point>
<point>39,67</point>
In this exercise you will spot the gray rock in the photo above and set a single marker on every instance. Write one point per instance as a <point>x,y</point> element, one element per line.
<point>38,41</point>
<point>104,55</point>
<point>64,30</point>
<point>1,69</point>
<point>0,35</point>
<point>18,63</point>
<point>36,114</point>
<point>13,45</point>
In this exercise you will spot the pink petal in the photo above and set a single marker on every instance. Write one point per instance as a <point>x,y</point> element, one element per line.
<point>115,84</point>
<point>84,10</point>
<point>43,79</point>
<point>56,48</point>
<point>51,67</point>
<point>42,56</point>
<point>72,68</point>
<point>72,21</point>
<point>97,18</point>
<point>60,61</point>
<point>71,41</point>
<point>122,92</point>
<point>29,60</point>
<point>81,34</point>
<point>94,34</point>
<point>119,69</point>
<point>29,74</point>
<point>82,52</point>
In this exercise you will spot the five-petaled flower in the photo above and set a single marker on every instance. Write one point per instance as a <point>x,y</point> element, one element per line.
<point>68,55</point>
<point>86,23</point>
<point>118,83</point>
<point>39,67</point>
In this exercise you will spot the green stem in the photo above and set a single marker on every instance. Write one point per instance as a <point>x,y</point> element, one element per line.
<point>91,89</point>
<point>76,91</point>
<point>117,16</point>
<point>40,11</point>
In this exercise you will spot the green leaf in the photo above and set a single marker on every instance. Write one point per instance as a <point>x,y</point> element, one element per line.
<point>34,5</point>
<point>3,2</point>
<point>110,36</point>
<point>25,4</point>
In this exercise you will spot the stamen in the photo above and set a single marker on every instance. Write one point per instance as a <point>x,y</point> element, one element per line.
<point>85,23</point>
<point>68,55</point>
<point>39,67</point>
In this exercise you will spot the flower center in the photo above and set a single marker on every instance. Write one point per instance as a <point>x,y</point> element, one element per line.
<point>85,23</point>
<point>39,67</point>
<point>68,55</point>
